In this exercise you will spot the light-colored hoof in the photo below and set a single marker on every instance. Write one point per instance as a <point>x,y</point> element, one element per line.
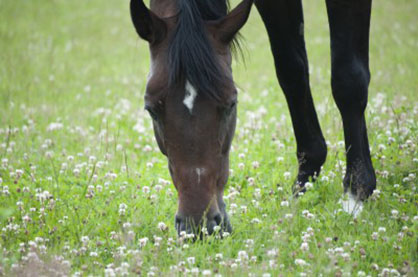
<point>351,204</point>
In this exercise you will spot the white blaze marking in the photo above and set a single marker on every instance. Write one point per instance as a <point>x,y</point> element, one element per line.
<point>199,172</point>
<point>351,205</point>
<point>190,96</point>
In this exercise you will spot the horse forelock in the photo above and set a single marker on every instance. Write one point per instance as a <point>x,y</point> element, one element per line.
<point>191,57</point>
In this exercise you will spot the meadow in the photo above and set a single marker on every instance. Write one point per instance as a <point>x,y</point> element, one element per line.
<point>84,190</point>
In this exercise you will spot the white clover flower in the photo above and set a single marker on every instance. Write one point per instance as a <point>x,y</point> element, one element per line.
<point>242,255</point>
<point>147,148</point>
<point>273,252</point>
<point>143,242</point>
<point>284,203</point>
<point>191,235</point>
<point>92,159</point>
<point>394,213</point>
<point>219,256</point>
<point>162,226</point>
<point>287,175</point>
<point>255,220</point>
<point>191,260</point>
<point>304,246</point>
<point>308,185</point>
<point>158,188</point>
<point>300,262</point>
<point>85,240</point>
<point>26,218</point>
<point>288,216</point>
<point>381,229</point>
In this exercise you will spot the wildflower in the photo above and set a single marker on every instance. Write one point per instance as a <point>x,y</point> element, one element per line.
<point>162,226</point>
<point>219,256</point>
<point>191,260</point>
<point>143,242</point>
<point>122,209</point>
<point>255,220</point>
<point>206,272</point>
<point>361,273</point>
<point>300,262</point>
<point>288,216</point>
<point>256,164</point>
<point>284,203</point>
<point>286,175</point>
<point>324,178</point>
<point>308,185</point>
<point>394,213</point>
<point>273,252</point>
<point>304,246</point>
<point>147,148</point>
<point>376,194</point>
<point>242,255</point>
<point>85,240</point>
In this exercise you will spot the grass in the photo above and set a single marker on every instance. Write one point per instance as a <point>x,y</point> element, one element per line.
<point>83,186</point>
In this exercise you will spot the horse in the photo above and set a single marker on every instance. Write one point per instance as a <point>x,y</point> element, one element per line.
<point>192,99</point>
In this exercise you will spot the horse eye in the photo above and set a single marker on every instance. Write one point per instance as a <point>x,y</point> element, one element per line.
<point>152,112</point>
<point>229,109</point>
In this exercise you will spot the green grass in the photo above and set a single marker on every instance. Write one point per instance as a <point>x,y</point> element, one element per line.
<point>80,65</point>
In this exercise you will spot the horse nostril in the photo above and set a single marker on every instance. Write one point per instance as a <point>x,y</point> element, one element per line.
<point>218,219</point>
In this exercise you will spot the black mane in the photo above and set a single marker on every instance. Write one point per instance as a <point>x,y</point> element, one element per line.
<point>191,56</point>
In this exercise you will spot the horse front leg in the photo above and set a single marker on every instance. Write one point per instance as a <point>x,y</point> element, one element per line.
<point>349,23</point>
<point>284,23</point>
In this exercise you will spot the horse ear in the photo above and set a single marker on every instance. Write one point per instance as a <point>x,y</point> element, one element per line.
<point>227,27</point>
<point>147,24</point>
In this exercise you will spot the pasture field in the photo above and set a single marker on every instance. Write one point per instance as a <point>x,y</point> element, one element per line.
<point>85,191</point>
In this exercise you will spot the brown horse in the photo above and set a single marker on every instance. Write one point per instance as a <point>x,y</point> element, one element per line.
<point>192,98</point>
